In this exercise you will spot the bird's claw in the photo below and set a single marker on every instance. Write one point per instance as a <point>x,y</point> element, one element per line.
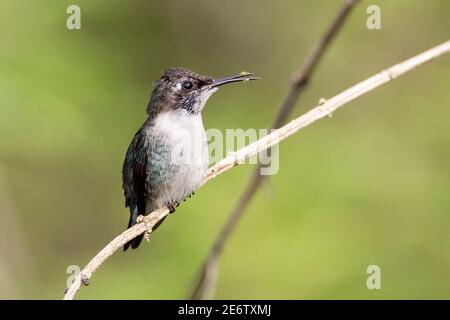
<point>171,207</point>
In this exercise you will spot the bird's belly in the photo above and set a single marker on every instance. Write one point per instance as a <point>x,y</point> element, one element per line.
<point>180,169</point>
<point>187,179</point>
<point>181,180</point>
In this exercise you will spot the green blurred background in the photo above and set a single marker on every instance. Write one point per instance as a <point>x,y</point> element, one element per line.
<point>369,186</point>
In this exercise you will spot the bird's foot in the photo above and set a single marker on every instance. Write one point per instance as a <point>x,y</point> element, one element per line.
<point>189,196</point>
<point>148,230</point>
<point>172,206</point>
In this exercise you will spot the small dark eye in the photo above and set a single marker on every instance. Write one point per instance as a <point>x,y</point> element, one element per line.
<point>187,85</point>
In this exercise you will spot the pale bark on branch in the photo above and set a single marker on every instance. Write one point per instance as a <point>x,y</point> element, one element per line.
<point>324,109</point>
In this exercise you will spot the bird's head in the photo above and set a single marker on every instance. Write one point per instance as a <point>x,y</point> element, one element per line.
<point>183,89</point>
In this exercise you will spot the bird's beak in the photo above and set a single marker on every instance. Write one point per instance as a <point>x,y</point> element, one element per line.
<point>243,76</point>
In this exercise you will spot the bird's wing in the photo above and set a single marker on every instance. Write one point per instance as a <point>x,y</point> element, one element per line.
<point>134,175</point>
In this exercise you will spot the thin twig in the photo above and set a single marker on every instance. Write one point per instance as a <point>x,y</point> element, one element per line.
<point>204,289</point>
<point>324,109</point>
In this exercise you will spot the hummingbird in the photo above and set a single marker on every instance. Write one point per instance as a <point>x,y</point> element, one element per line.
<point>167,159</point>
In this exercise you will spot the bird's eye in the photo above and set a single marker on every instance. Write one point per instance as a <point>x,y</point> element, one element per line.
<point>187,85</point>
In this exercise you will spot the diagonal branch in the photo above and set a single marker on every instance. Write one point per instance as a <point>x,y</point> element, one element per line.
<point>324,109</point>
<point>206,283</point>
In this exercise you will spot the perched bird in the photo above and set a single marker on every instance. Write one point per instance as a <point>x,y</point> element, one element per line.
<point>167,159</point>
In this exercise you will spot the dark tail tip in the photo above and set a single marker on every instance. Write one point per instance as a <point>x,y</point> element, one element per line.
<point>134,243</point>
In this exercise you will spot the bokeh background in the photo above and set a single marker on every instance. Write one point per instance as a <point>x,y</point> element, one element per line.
<point>369,186</point>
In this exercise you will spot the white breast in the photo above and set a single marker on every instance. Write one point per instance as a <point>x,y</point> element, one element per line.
<point>187,137</point>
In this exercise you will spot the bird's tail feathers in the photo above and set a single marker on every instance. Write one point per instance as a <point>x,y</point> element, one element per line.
<point>134,243</point>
